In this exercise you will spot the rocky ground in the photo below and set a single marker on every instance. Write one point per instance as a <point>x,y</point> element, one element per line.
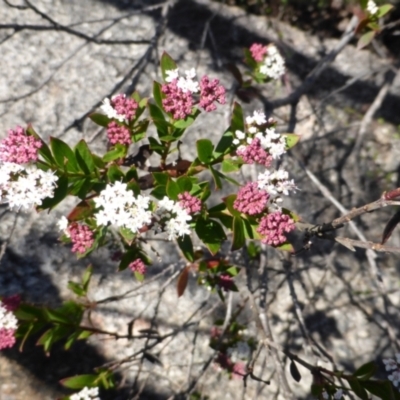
<point>55,78</point>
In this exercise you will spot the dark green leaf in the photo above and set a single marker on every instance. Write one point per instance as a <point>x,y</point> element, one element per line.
<point>238,234</point>
<point>76,288</point>
<point>366,370</point>
<point>216,176</point>
<point>185,184</point>
<point>237,121</point>
<point>44,151</point>
<point>358,389</point>
<point>210,233</point>
<point>84,156</point>
<point>161,177</point>
<point>172,189</point>
<point>80,188</point>
<point>186,245</point>
<point>60,193</point>
<point>63,155</point>
<point>156,146</point>
<point>87,276</point>
<point>115,174</point>
<point>381,389</point>
<point>159,192</point>
<point>205,150</point>
<point>294,371</point>
<point>157,94</point>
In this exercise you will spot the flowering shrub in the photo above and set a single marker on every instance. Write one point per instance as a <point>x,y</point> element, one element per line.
<point>169,200</point>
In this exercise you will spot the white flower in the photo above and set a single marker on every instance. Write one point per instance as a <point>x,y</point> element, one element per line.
<point>274,64</point>
<point>258,118</point>
<point>7,318</point>
<point>110,111</point>
<point>240,135</point>
<point>390,364</point>
<point>171,75</point>
<point>188,84</point>
<point>276,182</point>
<point>395,377</point>
<point>62,225</point>
<point>122,208</point>
<point>372,8</point>
<point>25,187</point>
<point>86,394</point>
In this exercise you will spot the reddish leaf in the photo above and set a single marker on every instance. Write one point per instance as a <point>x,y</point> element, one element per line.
<point>393,194</point>
<point>182,281</point>
<point>80,212</point>
<point>389,228</point>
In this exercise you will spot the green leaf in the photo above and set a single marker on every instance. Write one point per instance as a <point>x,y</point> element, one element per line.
<point>159,121</point>
<point>26,312</point>
<point>87,276</point>
<point>76,288</point>
<point>216,176</point>
<point>167,64</point>
<point>161,177</point>
<point>63,155</point>
<point>100,119</point>
<point>358,389</point>
<point>115,174</point>
<point>294,371</point>
<point>285,247</point>
<point>237,121</point>
<point>366,370</point>
<point>381,389</point>
<point>118,151</point>
<point>229,200</point>
<point>156,146</point>
<point>157,94</point>
<point>205,150</point>
<point>185,123</point>
<point>383,10</point>
<point>238,234</point>
<point>211,233</point>
<point>172,190</point>
<point>80,188</point>
<point>44,151</point>
<point>185,184</point>
<point>84,157</point>
<point>230,165</point>
<point>159,192</point>
<point>80,381</point>
<point>56,316</point>
<point>291,140</point>
<point>365,40</point>
<point>60,193</point>
<point>186,245</point>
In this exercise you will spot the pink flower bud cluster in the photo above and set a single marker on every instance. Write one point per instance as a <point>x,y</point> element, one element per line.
<point>18,147</point>
<point>81,237</point>
<point>190,203</point>
<point>259,143</point>
<point>179,93</point>
<point>124,106</point>
<point>251,200</point>
<point>8,322</point>
<point>274,226</point>
<point>118,134</point>
<point>254,153</point>
<point>137,266</point>
<point>238,369</point>
<point>258,51</point>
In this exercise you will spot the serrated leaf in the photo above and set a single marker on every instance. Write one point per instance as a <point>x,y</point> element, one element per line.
<point>294,371</point>
<point>365,40</point>
<point>186,245</point>
<point>182,281</point>
<point>205,150</point>
<point>390,226</point>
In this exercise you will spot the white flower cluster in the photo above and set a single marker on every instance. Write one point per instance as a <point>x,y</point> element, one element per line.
<point>272,142</point>
<point>25,187</point>
<point>372,8</point>
<point>110,111</point>
<point>394,367</point>
<point>337,396</point>
<point>86,394</point>
<point>276,182</point>
<point>121,208</point>
<point>7,319</point>
<point>175,218</point>
<point>186,84</point>
<point>273,65</point>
